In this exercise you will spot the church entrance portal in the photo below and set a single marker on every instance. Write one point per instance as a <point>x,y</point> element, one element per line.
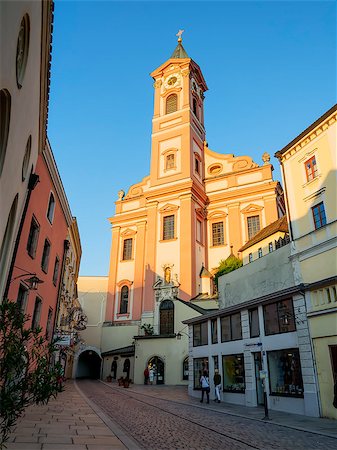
<point>89,365</point>
<point>158,365</point>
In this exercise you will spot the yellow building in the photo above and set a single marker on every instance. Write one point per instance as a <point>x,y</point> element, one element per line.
<point>172,229</point>
<point>309,174</point>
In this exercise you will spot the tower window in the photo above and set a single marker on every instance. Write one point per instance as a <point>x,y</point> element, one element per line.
<point>170,161</point>
<point>123,307</point>
<point>171,103</point>
<point>253,226</point>
<point>217,234</point>
<point>168,227</point>
<point>197,165</point>
<point>127,249</point>
<point>195,107</point>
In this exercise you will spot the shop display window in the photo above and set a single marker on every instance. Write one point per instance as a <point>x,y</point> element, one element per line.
<point>199,365</point>
<point>233,373</point>
<point>285,375</point>
<point>214,331</point>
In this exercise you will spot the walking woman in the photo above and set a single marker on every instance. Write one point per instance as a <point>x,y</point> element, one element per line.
<point>204,381</point>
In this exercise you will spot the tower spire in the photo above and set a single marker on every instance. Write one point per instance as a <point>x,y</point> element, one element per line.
<point>179,51</point>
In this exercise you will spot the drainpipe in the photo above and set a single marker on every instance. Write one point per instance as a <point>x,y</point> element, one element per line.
<point>32,183</point>
<point>287,202</point>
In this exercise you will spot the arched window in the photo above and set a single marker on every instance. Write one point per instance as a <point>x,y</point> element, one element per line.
<point>166,313</point>
<point>5,115</point>
<point>123,307</point>
<point>171,103</point>
<point>195,108</point>
<point>51,208</point>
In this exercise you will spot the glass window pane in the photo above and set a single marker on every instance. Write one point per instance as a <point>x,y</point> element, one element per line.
<point>236,329</point>
<point>270,315</point>
<point>196,335</point>
<point>204,333</point>
<point>214,331</point>
<point>225,329</point>
<point>286,316</point>
<point>253,223</point>
<point>254,323</point>
<point>233,373</point>
<point>217,234</point>
<point>168,228</point>
<point>285,373</point>
<point>199,365</point>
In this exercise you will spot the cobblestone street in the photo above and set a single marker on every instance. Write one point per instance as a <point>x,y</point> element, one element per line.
<point>159,423</point>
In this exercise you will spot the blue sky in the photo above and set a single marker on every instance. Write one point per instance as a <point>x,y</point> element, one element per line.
<point>270,67</point>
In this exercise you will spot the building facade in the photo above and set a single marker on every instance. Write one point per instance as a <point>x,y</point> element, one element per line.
<point>25,39</point>
<point>193,208</point>
<point>309,175</point>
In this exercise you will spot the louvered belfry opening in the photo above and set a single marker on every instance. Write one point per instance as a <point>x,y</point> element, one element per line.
<point>171,103</point>
<point>166,312</point>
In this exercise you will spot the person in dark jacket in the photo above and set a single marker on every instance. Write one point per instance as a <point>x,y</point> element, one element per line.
<point>217,384</point>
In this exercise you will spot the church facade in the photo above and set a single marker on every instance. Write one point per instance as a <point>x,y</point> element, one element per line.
<point>171,230</point>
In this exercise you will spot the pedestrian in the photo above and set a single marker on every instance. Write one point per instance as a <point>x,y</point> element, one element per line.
<point>217,384</point>
<point>146,375</point>
<point>151,375</point>
<point>204,381</point>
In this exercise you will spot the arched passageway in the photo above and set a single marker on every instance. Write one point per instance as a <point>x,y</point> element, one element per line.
<point>89,365</point>
<point>158,366</point>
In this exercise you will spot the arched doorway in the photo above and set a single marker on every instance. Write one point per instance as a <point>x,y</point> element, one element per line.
<point>159,369</point>
<point>89,365</point>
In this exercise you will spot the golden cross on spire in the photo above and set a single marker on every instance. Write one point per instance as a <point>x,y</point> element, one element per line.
<point>180,32</point>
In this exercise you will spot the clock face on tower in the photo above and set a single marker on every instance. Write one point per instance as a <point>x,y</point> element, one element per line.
<point>171,81</point>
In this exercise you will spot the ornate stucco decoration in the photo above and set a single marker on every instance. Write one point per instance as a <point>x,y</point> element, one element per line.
<point>265,158</point>
<point>166,287</point>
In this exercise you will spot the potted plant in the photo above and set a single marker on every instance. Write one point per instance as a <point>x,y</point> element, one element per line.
<point>109,378</point>
<point>126,382</point>
<point>120,381</point>
<point>148,329</point>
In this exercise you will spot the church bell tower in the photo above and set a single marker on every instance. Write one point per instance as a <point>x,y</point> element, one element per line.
<point>178,132</point>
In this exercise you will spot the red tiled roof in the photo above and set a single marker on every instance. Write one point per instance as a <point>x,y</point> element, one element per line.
<point>279,225</point>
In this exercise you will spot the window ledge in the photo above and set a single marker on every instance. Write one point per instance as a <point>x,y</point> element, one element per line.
<point>218,246</point>
<point>307,183</point>
<point>168,240</point>
<point>126,260</point>
<point>120,315</point>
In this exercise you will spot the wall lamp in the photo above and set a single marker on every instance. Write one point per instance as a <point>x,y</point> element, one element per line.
<point>179,335</point>
<point>33,281</point>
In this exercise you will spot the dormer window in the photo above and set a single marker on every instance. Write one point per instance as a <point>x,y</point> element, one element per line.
<point>171,103</point>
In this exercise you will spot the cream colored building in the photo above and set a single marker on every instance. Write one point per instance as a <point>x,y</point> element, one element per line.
<point>25,37</point>
<point>92,293</point>
<point>309,174</point>
<point>171,229</point>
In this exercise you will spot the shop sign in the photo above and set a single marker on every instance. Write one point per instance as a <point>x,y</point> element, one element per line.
<point>63,340</point>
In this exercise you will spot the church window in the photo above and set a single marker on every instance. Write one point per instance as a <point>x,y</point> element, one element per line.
<point>170,161</point>
<point>197,165</point>
<point>127,249</point>
<point>168,227</point>
<point>217,234</point>
<point>171,103</point>
<point>5,115</point>
<point>195,107</point>
<point>166,314</point>
<point>123,307</point>
<point>253,223</point>
<point>199,231</point>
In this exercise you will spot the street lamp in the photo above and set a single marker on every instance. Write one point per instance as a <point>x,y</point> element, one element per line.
<point>179,335</point>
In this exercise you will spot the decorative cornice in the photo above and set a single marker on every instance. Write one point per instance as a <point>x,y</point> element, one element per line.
<point>309,134</point>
